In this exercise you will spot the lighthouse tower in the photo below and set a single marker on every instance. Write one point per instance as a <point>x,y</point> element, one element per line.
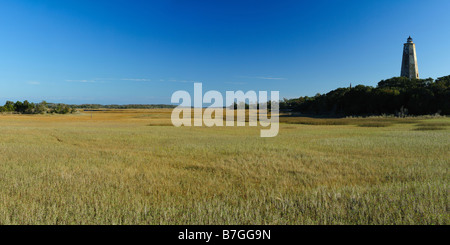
<point>409,62</point>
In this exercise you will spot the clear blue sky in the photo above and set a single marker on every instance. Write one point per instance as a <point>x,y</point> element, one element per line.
<point>114,51</point>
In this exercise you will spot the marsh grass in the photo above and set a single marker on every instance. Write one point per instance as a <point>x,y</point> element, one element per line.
<point>437,125</point>
<point>424,128</point>
<point>363,122</point>
<point>111,168</point>
<point>375,124</point>
<point>160,124</point>
<point>315,121</point>
<point>434,124</point>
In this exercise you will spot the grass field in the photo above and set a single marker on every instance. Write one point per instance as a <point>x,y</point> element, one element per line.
<point>129,167</point>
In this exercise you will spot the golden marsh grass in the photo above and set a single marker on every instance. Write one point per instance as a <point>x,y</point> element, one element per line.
<point>111,167</point>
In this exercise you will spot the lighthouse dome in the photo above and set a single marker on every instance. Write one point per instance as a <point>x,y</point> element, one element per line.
<point>410,39</point>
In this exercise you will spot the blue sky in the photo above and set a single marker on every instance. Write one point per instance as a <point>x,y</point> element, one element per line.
<point>121,52</point>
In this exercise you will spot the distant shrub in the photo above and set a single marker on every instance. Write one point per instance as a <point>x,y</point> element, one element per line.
<point>60,109</point>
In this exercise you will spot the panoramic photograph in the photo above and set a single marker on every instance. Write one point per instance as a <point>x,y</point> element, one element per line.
<point>249,114</point>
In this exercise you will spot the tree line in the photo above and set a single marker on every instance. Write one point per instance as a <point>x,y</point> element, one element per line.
<point>26,107</point>
<point>130,106</point>
<point>397,95</point>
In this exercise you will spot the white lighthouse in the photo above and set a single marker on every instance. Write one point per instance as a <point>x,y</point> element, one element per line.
<point>409,62</point>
